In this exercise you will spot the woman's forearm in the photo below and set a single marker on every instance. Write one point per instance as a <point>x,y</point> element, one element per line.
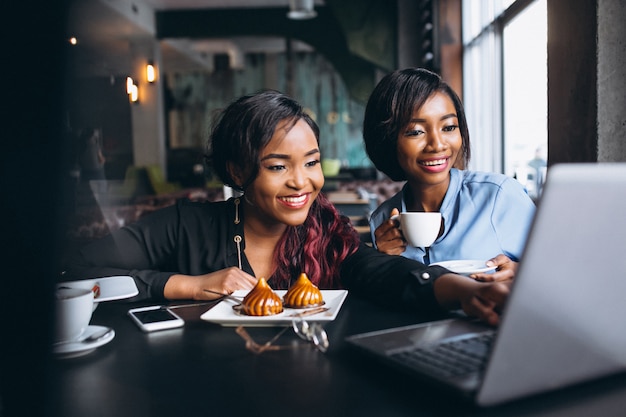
<point>180,287</point>
<point>450,288</point>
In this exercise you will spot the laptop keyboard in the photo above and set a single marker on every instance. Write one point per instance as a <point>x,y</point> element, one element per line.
<point>450,358</point>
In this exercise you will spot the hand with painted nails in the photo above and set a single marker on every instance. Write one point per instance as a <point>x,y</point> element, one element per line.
<point>505,269</point>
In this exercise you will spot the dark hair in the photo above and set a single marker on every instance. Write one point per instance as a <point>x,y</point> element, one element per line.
<point>245,127</point>
<point>390,108</point>
<point>326,238</point>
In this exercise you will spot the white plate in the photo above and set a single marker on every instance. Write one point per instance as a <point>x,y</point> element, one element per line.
<point>111,288</point>
<point>78,348</point>
<point>224,314</point>
<point>466,267</point>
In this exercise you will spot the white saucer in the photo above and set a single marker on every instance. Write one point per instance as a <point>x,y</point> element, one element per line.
<point>466,267</point>
<point>78,348</point>
<point>106,288</point>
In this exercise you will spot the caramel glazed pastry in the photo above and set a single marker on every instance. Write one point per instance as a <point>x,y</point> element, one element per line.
<point>261,301</point>
<point>303,294</point>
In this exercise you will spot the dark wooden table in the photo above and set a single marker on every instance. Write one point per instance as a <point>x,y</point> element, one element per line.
<point>204,369</point>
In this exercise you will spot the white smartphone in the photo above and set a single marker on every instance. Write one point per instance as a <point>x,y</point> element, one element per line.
<point>150,319</point>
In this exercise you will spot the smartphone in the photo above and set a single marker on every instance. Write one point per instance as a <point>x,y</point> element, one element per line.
<point>150,319</point>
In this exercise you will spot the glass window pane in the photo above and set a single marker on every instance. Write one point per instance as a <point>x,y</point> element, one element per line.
<point>482,102</point>
<point>525,96</point>
<point>478,14</point>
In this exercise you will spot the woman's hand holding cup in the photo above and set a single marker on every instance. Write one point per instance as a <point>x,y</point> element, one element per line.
<point>420,229</point>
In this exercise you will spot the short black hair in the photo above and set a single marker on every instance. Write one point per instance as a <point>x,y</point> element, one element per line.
<point>245,127</point>
<point>390,108</point>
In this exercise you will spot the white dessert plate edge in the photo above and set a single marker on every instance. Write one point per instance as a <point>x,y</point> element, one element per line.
<point>223,312</point>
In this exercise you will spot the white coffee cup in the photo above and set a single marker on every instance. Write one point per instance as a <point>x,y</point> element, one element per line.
<point>420,229</point>
<point>73,308</point>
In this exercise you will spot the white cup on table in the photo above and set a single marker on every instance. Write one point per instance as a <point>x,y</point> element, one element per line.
<point>73,309</point>
<point>420,229</point>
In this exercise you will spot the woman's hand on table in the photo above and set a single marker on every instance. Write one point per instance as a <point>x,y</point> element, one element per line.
<point>505,270</point>
<point>487,302</point>
<point>389,238</point>
<point>483,300</point>
<point>224,281</point>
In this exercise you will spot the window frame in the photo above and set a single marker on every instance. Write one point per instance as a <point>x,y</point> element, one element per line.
<point>486,116</point>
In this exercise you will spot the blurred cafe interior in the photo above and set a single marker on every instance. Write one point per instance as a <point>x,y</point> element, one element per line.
<point>148,76</point>
<point>542,82</point>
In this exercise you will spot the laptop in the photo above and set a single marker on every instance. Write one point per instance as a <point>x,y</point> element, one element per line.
<point>564,320</point>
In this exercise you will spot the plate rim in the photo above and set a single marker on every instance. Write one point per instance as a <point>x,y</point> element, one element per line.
<point>101,280</point>
<point>465,271</point>
<point>71,348</point>
<point>278,319</point>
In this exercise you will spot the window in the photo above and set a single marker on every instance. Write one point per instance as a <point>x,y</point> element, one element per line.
<point>505,87</point>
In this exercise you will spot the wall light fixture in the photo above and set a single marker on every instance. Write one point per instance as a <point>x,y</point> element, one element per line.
<point>134,94</point>
<point>150,72</point>
<point>129,85</point>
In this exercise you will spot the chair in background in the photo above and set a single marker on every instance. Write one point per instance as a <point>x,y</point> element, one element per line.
<point>135,183</point>
<point>159,183</point>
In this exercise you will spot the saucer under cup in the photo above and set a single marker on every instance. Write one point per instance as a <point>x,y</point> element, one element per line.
<point>73,309</point>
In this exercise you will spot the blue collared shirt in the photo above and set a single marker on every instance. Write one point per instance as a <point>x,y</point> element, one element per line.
<point>484,214</point>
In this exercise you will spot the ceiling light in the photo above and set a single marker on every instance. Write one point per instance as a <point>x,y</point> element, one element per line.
<point>301,10</point>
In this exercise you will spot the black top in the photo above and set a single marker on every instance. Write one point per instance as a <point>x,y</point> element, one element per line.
<point>196,238</point>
